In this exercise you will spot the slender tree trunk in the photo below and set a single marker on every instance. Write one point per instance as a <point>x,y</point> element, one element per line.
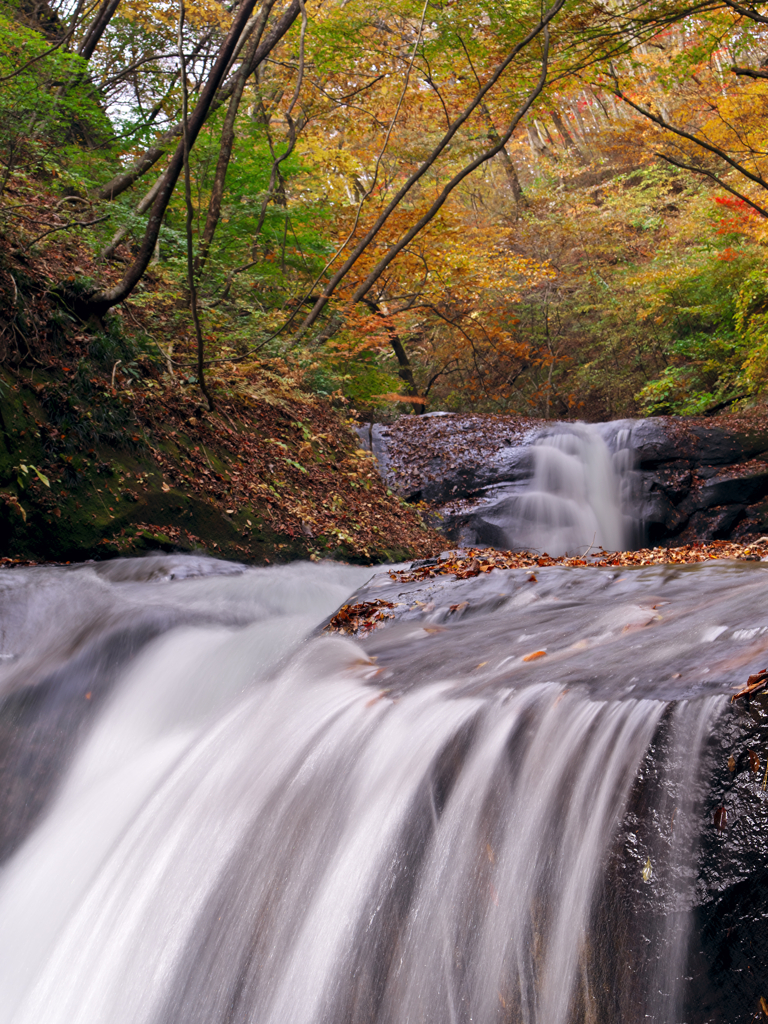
<point>190,211</point>
<point>227,142</point>
<point>97,28</point>
<point>568,140</point>
<point>405,370</point>
<point>123,181</point>
<point>103,300</point>
<point>509,166</point>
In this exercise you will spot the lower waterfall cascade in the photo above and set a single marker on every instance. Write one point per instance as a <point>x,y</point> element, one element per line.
<point>213,811</point>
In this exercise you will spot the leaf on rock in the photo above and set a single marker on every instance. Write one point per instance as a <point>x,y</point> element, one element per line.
<point>647,870</point>
<point>754,683</point>
<point>721,819</point>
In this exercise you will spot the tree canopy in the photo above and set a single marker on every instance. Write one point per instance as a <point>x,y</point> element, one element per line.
<point>434,204</point>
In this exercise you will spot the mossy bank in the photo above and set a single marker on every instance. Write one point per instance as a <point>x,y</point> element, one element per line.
<point>92,467</point>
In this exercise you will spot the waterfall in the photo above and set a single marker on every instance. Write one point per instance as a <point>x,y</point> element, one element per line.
<point>579,497</point>
<point>576,491</point>
<point>263,825</point>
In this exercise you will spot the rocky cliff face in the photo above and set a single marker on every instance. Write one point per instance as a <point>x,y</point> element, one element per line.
<point>683,480</point>
<point>702,481</point>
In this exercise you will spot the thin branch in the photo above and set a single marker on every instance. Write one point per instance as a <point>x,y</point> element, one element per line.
<point>46,53</point>
<point>422,169</point>
<point>190,215</point>
<point>275,175</point>
<point>747,12</point>
<point>662,123</point>
<point>714,177</point>
<point>377,165</point>
<point>70,224</point>
<point>125,179</point>
<point>750,72</point>
<point>482,158</point>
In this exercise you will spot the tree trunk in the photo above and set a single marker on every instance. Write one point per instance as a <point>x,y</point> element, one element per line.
<point>568,140</point>
<point>123,181</point>
<point>405,371</point>
<point>103,300</point>
<point>97,28</point>
<point>225,149</point>
<point>509,166</point>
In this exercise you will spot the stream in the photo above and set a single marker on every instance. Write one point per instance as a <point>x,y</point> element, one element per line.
<point>212,812</point>
<point>522,800</point>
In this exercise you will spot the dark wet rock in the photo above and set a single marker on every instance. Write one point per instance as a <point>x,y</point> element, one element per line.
<point>711,523</point>
<point>734,489</point>
<point>658,512</point>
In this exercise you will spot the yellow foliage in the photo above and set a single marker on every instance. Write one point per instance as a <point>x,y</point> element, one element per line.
<point>154,14</point>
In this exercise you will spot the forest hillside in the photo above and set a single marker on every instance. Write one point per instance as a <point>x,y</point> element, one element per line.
<point>228,231</point>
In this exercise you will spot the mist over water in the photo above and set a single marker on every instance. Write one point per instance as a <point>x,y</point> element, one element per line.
<point>255,823</point>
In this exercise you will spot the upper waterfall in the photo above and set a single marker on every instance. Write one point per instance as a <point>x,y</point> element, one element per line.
<point>579,497</point>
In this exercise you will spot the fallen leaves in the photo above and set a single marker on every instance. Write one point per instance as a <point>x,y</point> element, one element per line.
<point>473,562</point>
<point>534,656</point>
<point>360,618</point>
<point>754,683</point>
<point>424,449</point>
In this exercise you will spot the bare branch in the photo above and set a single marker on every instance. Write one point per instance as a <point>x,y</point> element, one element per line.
<point>750,72</point>
<point>427,164</point>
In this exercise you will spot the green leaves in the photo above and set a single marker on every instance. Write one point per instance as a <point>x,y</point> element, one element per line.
<point>24,472</point>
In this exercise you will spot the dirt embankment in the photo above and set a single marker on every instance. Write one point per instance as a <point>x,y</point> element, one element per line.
<point>107,449</point>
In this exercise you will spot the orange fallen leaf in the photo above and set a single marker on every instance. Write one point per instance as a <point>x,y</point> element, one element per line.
<point>534,655</point>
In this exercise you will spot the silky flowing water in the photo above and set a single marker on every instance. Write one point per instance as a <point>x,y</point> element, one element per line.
<point>573,490</point>
<point>214,812</point>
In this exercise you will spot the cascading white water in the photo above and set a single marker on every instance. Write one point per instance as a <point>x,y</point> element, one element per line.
<point>579,497</point>
<point>257,828</point>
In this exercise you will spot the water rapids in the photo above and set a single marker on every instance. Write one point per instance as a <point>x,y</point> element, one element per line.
<point>212,812</point>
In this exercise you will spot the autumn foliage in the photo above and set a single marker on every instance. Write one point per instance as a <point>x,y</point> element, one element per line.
<point>417,207</point>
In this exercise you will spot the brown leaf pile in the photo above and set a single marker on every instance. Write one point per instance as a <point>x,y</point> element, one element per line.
<point>415,442</point>
<point>360,618</point>
<point>466,564</point>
